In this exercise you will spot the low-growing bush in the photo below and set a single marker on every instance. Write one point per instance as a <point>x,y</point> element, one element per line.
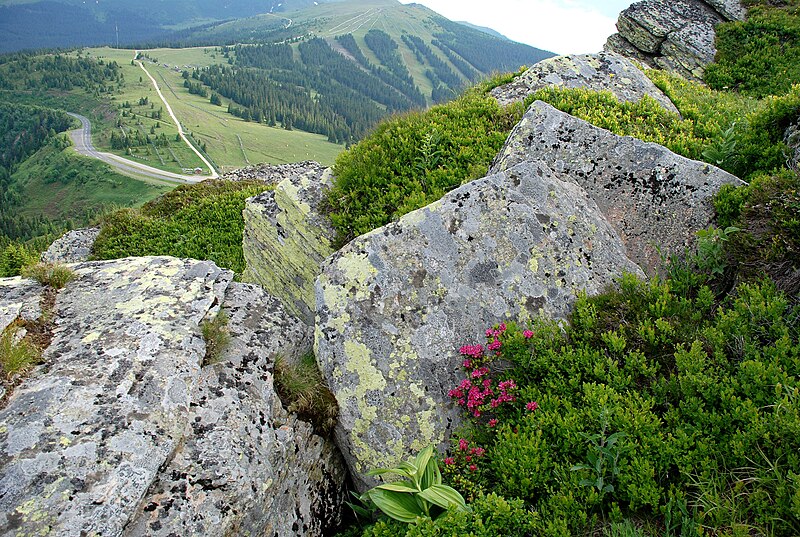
<point>17,355</point>
<point>414,159</point>
<point>648,394</point>
<point>201,221</point>
<point>761,55</point>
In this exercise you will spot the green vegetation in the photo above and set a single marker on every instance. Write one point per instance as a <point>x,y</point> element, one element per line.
<point>16,255</point>
<point>17,354</point>
<point>202,221</point>
<point>760,56</point>
<point>217,337</point>
<point>414,159</point>
<point>303,391</point>
<point>418,493</point>
<point>50,274</point>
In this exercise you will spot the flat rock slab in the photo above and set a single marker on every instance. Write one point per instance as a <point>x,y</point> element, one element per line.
<point>19,299</point>
<point>606,71</point>
<point>82,439</point>
<point>394,305</point>
<point>656,200</point>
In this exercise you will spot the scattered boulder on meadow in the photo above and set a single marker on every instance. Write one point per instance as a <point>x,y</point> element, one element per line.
<point>394,305</point>
<point>673,35</point>
<point>72,247</point>
<point>286,239</point>
<point>124,429</point>
<point>656,200</point>
<point>606,71</point>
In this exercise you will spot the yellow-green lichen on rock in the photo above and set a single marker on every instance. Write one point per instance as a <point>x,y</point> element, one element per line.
<point>394,305</point>
<point>285,240</point>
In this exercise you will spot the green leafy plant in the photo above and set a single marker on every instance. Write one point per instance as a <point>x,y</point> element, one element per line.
<point>603,458</point>
<point>217,337</point>
<point>54,275</point>
<point>722,152</point>
<point>711,249</point>
<point>420,492</point>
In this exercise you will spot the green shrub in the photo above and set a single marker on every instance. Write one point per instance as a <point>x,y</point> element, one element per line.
<point>14,257</point>
<point>51,274</point>
<point>201,221</point>
<point>699,393</point>
<point>303,390</point>
<point>760,56</point>
<point>414,159</point>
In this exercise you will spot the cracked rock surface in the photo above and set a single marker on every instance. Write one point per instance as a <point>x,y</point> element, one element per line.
<point>676,36</point>
<point>606,71</point>
<point>124,431</point>
<point>654,199</point>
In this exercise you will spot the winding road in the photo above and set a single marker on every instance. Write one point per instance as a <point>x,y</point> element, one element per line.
<point>82,138</point>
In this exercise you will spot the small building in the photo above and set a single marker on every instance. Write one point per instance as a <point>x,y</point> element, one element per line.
<point>198,171</point>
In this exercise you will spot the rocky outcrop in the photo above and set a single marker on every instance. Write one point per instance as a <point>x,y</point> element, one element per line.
<point>286,239</point>
<point>673,35</point>
<point>605,71</point>
<point>394,305</point>
<point>125,430</point>
<point>73,247</point>
<point>271,173</point>
<point>655,200</point>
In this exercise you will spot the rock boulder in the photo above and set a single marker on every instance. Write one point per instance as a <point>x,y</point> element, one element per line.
<point>606,71</point>
<point>673,35</point>
<point>394,305</point>
<point>73,247</point>
<point>125,429</point>
<point>286,239</point>
<point>655,199</point>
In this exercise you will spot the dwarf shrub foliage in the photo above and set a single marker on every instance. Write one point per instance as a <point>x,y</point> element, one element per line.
<point>202,221</point>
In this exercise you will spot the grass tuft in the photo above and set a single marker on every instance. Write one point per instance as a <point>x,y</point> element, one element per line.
<point>17,354</point>
<point>53,275</point>
<point>303,390</point>
<point>217,337</point>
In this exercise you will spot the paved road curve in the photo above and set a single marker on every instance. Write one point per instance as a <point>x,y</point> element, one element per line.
<point>82,138</point>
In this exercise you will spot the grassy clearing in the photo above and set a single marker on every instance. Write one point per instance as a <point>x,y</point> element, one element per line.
<point>209,124</point>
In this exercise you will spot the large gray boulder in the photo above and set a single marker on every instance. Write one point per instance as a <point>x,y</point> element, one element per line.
<point>125,429</point>
<point>606,71</point>
<point>655,200</point>
<point>286,239</point>
<point>394,305</point>
<point>73,247</point>
<point>674,35</point>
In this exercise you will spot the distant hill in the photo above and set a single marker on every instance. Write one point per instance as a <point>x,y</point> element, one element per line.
<point>68,23</point>
<point>484,29</point>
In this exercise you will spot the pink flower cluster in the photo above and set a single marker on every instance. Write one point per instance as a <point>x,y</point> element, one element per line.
<point>476,392</point>
<point>466,455</point>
